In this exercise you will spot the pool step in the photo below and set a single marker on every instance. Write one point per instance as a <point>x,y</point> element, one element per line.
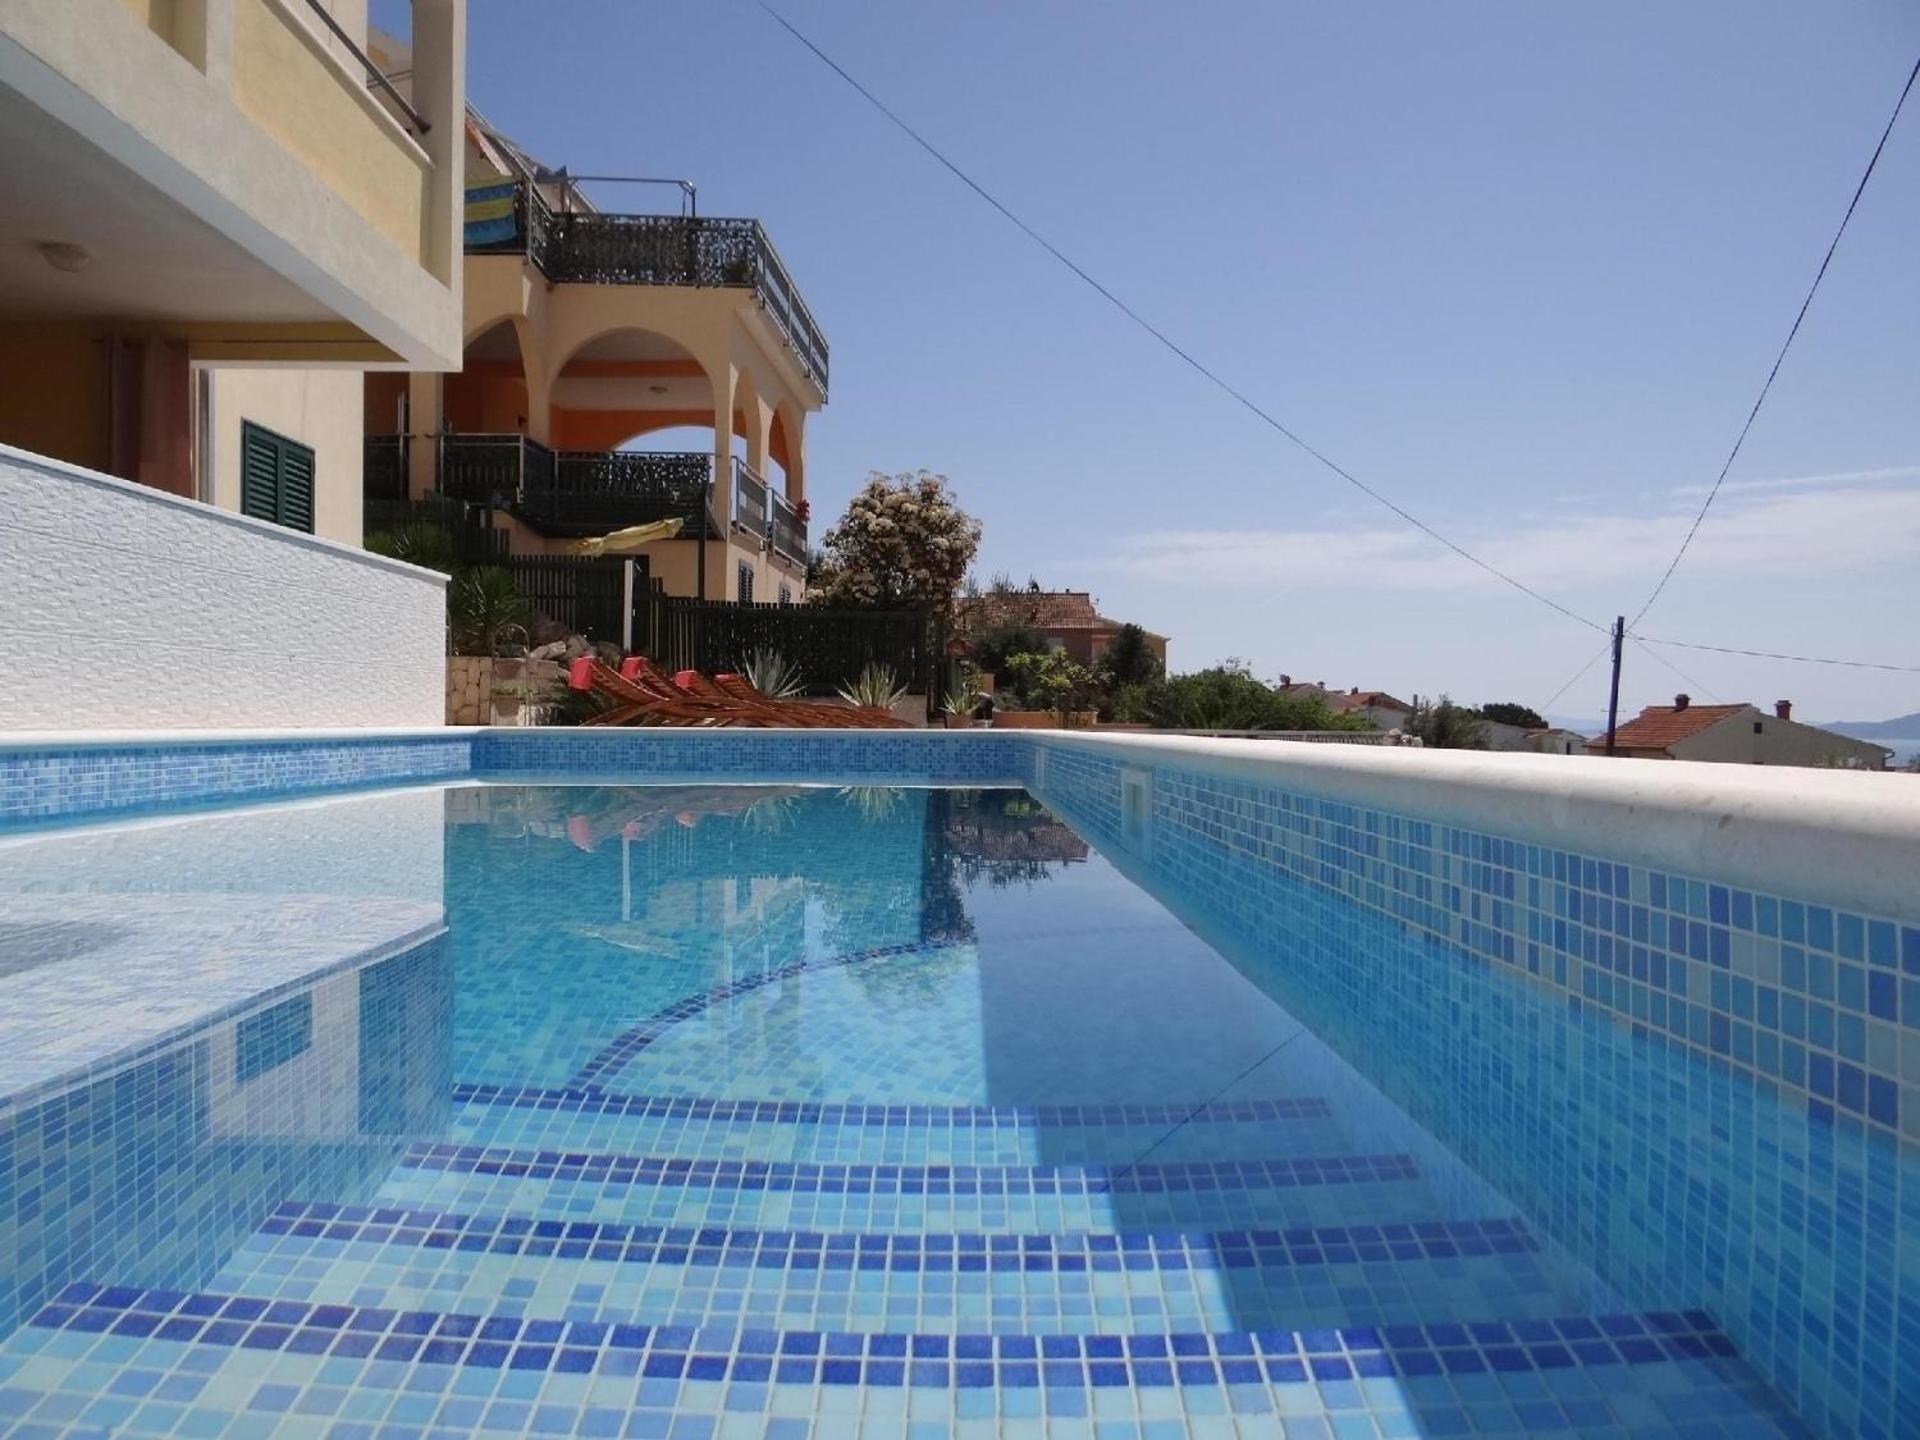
<point>253,1361</point>
<point>641,1189</point>
<point>1038,1283</point>
<point>564,1119</point>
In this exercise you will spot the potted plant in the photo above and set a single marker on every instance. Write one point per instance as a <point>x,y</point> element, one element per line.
<point>1051,691</point>
<point>959,701</point>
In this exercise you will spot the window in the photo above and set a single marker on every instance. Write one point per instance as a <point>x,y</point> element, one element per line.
<point>746,583</point>
<point>276,478</point>
<point>786,594</point>
<point>1758,727</point>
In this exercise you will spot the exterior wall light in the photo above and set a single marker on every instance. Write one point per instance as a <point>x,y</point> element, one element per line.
<point>65,256</point>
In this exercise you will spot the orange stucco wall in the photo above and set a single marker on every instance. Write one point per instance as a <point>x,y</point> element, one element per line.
<point>54,402</point>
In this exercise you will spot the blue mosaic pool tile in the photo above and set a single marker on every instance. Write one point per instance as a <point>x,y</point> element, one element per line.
<point>142,1171</point>
<point>1109,1252</point>
<point>929,1180</point>
<point>54,782</point>
<point>1750,980</point>
<point>505,1341</point>
<point>1798,1226</point>
<point>1228,1111</point>
<point>954,757</point>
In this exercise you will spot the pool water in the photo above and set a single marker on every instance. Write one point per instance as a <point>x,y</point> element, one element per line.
<point>780,1111</point>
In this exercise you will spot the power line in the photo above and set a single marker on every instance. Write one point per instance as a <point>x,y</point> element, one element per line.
<point>1138,319</point>
<point>1779,359</point>
<point>1660,659</point>
<point>1776,655</point>
<point>1597,656</point>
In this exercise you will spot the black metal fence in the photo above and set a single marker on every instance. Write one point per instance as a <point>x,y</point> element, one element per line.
<point>384,468</point>
<point>471,535</point>
<point>829,647</point>
<point>587,595</point>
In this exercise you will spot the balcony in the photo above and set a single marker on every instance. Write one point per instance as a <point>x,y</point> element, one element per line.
<point>591,492</point>
<point>600,249</point>
<point>789,533</point>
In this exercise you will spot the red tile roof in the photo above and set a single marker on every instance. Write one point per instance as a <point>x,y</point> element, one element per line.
<point>1659,726</point>
<point>1042,609</point>
<point>1371,700</point>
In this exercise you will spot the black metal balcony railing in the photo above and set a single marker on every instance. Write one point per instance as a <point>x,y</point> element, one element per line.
<point>788,532</point>
<point>597,249</point>
<point>577,492</point>
<point>749,500</point>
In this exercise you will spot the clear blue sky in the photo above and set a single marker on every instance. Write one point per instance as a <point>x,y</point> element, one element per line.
<point>1521,267</point>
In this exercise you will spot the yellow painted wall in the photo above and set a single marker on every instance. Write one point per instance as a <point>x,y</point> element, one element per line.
<point>54,401</point>
<point>321,408</point>
<point>317,114</point>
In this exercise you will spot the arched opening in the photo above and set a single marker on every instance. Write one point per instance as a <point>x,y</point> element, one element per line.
<point>489,396</point>
<point>632,390</point>
<point>780,457</point>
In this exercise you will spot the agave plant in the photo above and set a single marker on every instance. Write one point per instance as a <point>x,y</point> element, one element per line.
<point>482,604</point>
<point>961,697</point>
<point>873,802</point>
<point>771,673</point>
<point>418,542</point>
<point>876,688</point>
<point>773,815</point>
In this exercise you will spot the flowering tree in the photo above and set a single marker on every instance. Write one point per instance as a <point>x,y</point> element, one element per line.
<point>902,544</point>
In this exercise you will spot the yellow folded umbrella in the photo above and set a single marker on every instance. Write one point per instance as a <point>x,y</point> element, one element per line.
<point>625,542</point>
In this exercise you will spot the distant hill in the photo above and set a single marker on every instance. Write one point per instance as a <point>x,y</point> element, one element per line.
<point>1901,727</point>
<point>1581,725</point>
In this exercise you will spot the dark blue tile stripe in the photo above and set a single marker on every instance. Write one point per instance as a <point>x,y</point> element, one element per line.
<point>917,1117</point>
<point>964,1253</point>
<point>850,1179</point>
<point>629,1043</point>
<point>675,1352</point>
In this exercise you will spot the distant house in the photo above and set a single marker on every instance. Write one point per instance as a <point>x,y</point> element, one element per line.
<point>1737,735</point>
<point>1553,741</point>
<point>1383,710</point>
<point>1065,619</point>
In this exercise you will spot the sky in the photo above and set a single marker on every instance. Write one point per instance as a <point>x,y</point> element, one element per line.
<point>1521,268</point>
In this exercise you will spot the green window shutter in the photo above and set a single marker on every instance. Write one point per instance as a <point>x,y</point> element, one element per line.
<point>276,478</point>
<point>259,472</point>
<point>296,486</point>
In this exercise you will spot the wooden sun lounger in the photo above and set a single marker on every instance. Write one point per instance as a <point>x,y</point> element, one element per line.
<point>642,695</point>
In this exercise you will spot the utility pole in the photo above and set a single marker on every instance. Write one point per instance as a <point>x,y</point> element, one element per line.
<point>1613,691</point>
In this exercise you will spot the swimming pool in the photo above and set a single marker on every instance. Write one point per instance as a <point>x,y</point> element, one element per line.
<point>1160,1105</point>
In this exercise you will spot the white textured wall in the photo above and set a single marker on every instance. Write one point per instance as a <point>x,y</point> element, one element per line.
<point>121,607</point>
<point>321,408</point>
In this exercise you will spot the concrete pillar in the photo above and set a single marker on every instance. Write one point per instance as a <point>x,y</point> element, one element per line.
<point>533,366</point>
<point>724,380</point>
<point>439,94</point>
<point>203,32</point>
<point>797,459</point>
<point>424,392</point>
<point>759,434</point>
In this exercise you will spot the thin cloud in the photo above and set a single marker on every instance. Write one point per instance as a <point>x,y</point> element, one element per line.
<point>1780,534</point>
<point>1888,475</point>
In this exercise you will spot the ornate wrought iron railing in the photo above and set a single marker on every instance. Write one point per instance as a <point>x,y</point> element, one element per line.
<point>749,500</point>
<point>788,532</point>
<point>598,249</point>
<point>578,492</point>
